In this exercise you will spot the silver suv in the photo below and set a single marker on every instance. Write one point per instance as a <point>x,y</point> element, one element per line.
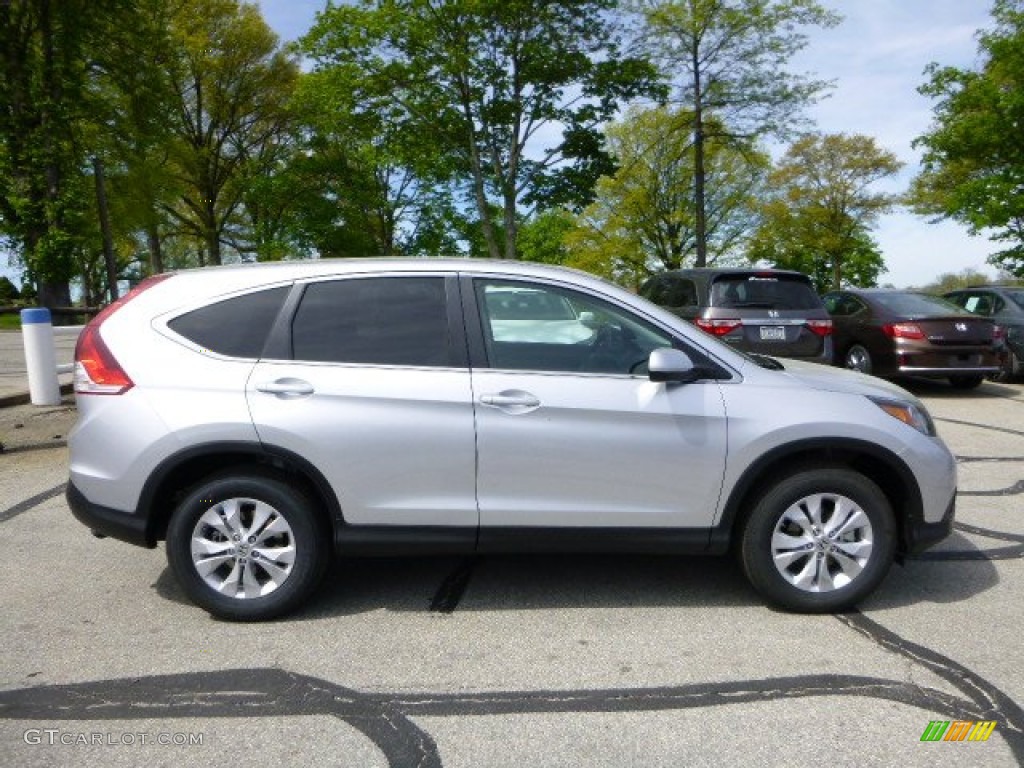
<point>264,418</point>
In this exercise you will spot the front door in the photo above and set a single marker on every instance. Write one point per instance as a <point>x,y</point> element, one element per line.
<point>570,430</point>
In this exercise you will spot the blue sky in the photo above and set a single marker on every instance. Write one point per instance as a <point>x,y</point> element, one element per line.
<point>877,57</point>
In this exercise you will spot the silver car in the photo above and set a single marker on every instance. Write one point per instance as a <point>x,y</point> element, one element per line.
<point>263,419</point>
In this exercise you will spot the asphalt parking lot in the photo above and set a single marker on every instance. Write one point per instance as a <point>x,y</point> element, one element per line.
<point>513,661</point>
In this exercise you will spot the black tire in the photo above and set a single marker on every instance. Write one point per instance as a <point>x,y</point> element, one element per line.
<point>828,587</point>
<point>1010,370</point>
<point>857,358</point>
<point>965,382</point>
<point>280,555</point>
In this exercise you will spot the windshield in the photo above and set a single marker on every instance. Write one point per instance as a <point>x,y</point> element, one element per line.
<point>763,291</point>
<point>917,304</point>
<point>522,304</point>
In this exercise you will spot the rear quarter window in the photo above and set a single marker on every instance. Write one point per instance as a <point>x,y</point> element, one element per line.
<point>236,327</point>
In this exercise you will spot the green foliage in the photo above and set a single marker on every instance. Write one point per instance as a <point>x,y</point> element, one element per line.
<point>9,293</point>
<point>951,281</point>
<point>973,165</point>
<point>228,122</point>
<point>643,220</point>
<point>727,61</point>
<point>823,205</point>
<point>542,238</point>
<point>466,87</point>
<point>44,100</point>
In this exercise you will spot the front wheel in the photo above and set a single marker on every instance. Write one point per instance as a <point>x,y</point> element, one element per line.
<point>246,548</point>
<point>819,541</point>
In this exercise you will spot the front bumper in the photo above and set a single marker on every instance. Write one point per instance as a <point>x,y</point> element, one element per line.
<point>919,535</point>
<point>104,521</point>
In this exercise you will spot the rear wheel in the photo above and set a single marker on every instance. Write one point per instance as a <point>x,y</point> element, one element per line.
<point>1010,369</point>
<point>858,359</point>
<point>246,548</point>
<point>965,382</point>
<point>819,540</point>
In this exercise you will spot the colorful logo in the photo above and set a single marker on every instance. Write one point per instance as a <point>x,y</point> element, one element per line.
<point>958,730</point>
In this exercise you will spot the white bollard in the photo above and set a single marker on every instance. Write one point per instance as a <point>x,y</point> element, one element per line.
<point>40,358</point>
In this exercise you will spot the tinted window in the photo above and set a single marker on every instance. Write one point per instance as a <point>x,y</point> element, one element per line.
<point>235,327</point>
<point>842,304</point>
<point>979,303</point>
<point>679,293</point>
<point>1017,297</point>
<point>376,321</point>
<point>917,304</point>
<point>762,291</point>
<point>584,335</point>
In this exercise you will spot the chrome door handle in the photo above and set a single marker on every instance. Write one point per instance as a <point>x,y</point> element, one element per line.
<point>286,388</point>
<point>511,401</point>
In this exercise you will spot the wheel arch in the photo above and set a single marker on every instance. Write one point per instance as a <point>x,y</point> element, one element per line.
<point>883,467</point>
<point>176,474</point>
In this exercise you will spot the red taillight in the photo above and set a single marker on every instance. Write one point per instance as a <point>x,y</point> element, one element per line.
<point>903,331</point>
<point>820,327</point>
<point>718,327</point>
<point>97,371</point>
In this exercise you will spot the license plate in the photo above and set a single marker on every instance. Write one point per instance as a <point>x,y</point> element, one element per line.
<point>773,333</point>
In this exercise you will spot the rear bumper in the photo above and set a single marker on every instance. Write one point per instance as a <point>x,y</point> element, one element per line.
<point>105,521</point>
<point>914,370</point>
<point>919,535</point>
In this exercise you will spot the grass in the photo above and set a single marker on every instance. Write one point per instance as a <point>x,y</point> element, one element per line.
<point>10,322</point>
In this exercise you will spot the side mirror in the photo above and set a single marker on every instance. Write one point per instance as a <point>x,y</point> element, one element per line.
<point>671,365</point>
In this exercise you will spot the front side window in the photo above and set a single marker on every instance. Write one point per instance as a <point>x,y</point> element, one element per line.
<point>374,321</point>
<point>546,328</point>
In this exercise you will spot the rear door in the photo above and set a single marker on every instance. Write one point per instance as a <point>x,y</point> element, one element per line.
<point>370,384</point>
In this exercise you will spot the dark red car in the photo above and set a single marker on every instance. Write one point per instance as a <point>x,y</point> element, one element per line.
<point>903,333</point>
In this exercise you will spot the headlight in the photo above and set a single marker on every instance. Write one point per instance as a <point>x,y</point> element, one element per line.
<point>909,413</point>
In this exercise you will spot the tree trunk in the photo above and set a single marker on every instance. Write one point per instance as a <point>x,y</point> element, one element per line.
<point>108,239</point>
<point>156,256</point>
<point>699,197</point>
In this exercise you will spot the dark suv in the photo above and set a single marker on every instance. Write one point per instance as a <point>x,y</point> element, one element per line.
<point>767,311</point>
<point>1005,305</point>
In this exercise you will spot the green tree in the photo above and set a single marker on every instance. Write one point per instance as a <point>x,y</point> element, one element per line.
<point>643,219</point>
<point>233,85</point>
<point>973,165</point>
<point>951,281</point>
<point>367,187</point>
<point>486,83</point>
<point>8,291</point>
<point>823,206</point>
<point>45,50</point>
<point>727,62</point>
<point>542,237</point>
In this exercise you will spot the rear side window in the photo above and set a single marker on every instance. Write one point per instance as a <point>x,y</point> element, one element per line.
<point>235,327</point>
<point>374,321</point>
<point>758,291</point>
